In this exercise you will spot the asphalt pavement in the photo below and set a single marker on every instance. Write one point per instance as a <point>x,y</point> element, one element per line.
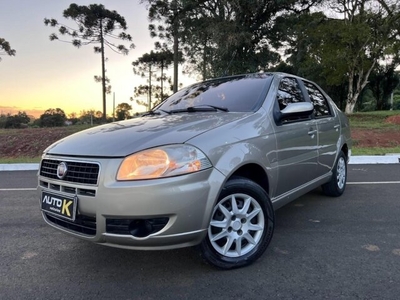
<point>323,248</point>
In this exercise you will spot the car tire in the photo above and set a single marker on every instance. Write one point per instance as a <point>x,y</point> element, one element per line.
<point>336,186</point>
<point>241,226</point>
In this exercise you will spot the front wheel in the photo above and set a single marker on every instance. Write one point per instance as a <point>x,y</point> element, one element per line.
<point>335,187</point>
<point>241,226</point>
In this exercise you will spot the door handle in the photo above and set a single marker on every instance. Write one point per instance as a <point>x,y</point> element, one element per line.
<point>312,132</point>
<point>336,127</point>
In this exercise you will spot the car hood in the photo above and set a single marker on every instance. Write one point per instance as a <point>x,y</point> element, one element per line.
<point>120,139</point>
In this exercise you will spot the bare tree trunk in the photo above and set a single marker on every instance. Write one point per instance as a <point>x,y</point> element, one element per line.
<point>176,48</point>
<point>162,80</point>
<point>349,108</point>
<point>352,95</point>
<point>204,60</point>
<point>103,73</point>
<point>149,104</point>
<point>176,58</point>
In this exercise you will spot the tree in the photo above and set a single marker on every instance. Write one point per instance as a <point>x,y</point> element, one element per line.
<point>230,37</point>
<point>343,51</point>
<point>169,15</point>
<point>140,92</point>
<point>53,118</point>
<point>382,83</point>
<point>200,47</point>
<point>122,111</point>
<point>143,91</point>
<point>73,118</point>
<point>163,60</point>
<point>299,36</point>
<point>17,121</point>
<point>91,116</point>
<point>3,120</point>
<point>107,81</point>
<point>374,33</point>
<point>5,48</point>
<point>96,25</point>
<point>147,67</point>
<point>221,37</point>
<point>396,97</point>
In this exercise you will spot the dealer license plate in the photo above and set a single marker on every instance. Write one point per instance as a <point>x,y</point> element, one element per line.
<point>60,205</point>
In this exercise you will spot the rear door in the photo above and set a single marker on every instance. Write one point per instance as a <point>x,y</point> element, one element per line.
<point>328,126</point>
<point>296,141</point>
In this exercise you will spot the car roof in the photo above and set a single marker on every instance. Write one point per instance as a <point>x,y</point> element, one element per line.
<point>279,74</point>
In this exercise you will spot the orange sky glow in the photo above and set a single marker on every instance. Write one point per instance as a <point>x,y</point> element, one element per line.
<point>46,74</point>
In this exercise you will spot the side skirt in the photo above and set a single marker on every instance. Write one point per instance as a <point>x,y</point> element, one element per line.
<point>291,195</point>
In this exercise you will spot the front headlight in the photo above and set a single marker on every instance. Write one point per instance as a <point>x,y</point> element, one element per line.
<point>163,161</point>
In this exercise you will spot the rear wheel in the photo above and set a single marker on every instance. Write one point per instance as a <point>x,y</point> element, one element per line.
<point>336,186</point>
<point>241,226</point>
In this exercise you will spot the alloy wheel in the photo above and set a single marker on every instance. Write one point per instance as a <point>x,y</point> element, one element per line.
<point>237,225</point>
<point>341,173</point>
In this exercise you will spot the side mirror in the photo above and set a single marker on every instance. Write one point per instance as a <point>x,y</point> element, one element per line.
<point>297,110</point>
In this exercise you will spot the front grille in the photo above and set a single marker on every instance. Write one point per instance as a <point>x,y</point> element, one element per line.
<point>78,172</point>
<point>67,189</point>
<point>82,224</point>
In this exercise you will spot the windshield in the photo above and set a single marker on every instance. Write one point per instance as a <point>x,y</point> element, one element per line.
<point>241,93</point>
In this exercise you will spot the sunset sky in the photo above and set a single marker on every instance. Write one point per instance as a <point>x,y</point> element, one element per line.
<point>51,74</point>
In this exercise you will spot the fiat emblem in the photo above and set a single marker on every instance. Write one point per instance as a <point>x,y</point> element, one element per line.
<point>62,170</point>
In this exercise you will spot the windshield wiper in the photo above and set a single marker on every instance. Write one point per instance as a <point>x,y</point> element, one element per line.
<point>155,112</point>
<point>151,113</point>
<point>199,108</point>
<point>164,111</point>
<point>215,107</point>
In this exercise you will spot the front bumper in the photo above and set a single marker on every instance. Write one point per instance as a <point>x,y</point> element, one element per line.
<point>177,210</point>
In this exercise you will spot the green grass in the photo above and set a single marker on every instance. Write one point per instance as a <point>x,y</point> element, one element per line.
<point>374,151</point>
<point>373,119</point>
<point>19,160</point>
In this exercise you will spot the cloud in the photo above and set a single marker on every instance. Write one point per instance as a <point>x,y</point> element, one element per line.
<point>12,110</point>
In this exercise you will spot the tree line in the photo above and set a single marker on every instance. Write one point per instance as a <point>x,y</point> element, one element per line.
<point>349,47</point>
<point>56,117</point>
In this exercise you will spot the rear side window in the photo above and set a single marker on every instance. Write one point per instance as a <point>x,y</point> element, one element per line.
<point>289,92</point>
<point>321,107</point>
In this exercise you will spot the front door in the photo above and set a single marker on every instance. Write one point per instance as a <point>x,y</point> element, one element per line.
<point>297,142</point>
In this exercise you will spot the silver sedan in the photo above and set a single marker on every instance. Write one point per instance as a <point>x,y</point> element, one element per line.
<point>207,167</point>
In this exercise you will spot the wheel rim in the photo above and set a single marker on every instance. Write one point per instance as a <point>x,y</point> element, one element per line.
<point>236,226</point>
<point>341,173</point>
